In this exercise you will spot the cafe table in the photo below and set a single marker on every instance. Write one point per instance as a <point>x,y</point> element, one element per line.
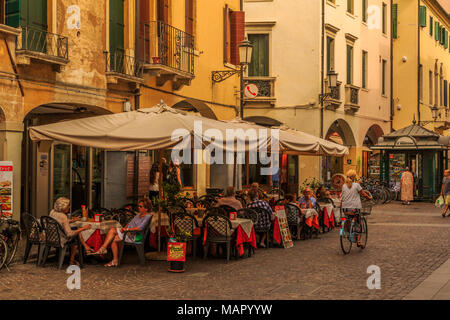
<point>329,218</point>
<point>95,236</point>
<point>244,231</point>
<point>165,223</point>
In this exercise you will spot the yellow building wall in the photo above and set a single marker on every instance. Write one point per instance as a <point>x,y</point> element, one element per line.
<point>406,69</point>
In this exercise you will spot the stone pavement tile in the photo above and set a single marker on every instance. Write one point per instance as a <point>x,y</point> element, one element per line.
<point>443,293</point>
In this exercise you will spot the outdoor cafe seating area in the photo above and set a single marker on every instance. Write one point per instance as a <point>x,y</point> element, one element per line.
<point>212,231</point>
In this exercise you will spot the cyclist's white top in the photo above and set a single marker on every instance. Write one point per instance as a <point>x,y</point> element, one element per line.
<point>350,196</point>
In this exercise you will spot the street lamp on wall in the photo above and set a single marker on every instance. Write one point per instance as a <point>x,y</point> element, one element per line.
<point>245,57</point>
<point>332,78</point>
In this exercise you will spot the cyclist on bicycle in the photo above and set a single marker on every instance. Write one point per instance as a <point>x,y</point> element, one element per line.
<point>351,201</point>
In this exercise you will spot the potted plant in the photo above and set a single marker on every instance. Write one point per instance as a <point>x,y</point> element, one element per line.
<point>176,249</point>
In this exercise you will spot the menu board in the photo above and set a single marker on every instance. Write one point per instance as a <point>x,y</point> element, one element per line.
<point>373,167</point>
<point>6,188</point>
<point>284,227</point>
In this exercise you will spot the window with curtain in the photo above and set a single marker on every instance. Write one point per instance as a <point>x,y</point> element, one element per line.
<point>259,66</point>
<point>349,64</point>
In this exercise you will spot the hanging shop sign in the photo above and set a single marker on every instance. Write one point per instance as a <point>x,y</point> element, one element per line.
<point>6,188</point>
<point>251,91</point>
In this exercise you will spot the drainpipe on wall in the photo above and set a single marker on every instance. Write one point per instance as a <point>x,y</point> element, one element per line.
<point>392,71</point>
<point>137,23</point>
<point>322,68</point>
<point>418,60</point>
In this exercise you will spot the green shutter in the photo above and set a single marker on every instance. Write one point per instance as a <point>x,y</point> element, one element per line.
<point>395,21</point>
<point>431,26</point>
<point>436,31</point>
<point>12,13</point>
<point>445,93</point>
<point>441,39</point>
<point>423,16</point>
<point>446,39</point>
<point>116,25</point>
<point>37,14</point>
<point>259,66</point>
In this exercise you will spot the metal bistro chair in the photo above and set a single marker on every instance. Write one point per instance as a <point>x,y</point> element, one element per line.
<point>34,236</point>
<point>248,213</point>
<point>293,215</point>
<point>218,230</point>
<point>53,234</point>
<point>187,223</point>
<point>263,214</point>
<point>138,245</point>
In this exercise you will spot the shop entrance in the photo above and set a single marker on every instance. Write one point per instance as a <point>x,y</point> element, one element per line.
<point>53,170</point>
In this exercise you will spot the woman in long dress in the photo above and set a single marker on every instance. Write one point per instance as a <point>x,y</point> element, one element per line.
<point>407,186</point>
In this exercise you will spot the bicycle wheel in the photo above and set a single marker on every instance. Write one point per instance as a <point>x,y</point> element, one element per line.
<point>12,243</point>
<point>3,253</point>
<point>364,233</point>
<point>346,244</point>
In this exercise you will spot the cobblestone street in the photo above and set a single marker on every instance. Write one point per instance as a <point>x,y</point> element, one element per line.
<point>407,242</point>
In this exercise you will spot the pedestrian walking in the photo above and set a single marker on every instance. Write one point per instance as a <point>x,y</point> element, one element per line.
<point>407,186</point>
<point>445,191</point>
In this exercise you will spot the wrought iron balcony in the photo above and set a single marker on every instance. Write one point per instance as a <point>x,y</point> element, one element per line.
<point>266,89</point>
<point>122,66</point>
<point>351,98</point>
<point>167,52</point>
<point>34,43</point>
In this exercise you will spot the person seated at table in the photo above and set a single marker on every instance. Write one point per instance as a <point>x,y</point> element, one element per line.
<point>320,193</point>
<point>263,223</point>
<point>230,199</point>
<point>59,213</point>
<point>307,201</point>
<point>115,235</point>
<point>328,198</point>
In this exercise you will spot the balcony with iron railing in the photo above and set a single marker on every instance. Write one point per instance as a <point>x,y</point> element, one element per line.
<point>120,66</point>
<point>38,44</point>
<point>351,98</point>
<point>167,52</point>
<point>266,89</point>
<point>333,101</point>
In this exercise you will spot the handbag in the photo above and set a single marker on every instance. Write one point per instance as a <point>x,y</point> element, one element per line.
<point>439,202</point>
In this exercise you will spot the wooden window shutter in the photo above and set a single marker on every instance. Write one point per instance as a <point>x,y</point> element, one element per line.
<point>445,39</point>
<point>237,34</point>
<point>423,16</point>
<point>445,93</point>
<point>189,16</point>
<point>395,21</point>
<point>436,31</point>
<point>349,64</point>
<point>12,13</point>
<point>116,26</point>
<point>431,26</point>
<point>226,34</point>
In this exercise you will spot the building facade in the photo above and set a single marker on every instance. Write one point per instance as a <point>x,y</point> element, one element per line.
<point>297,44</point>
<point>69,59</point>
<point>421,65</point>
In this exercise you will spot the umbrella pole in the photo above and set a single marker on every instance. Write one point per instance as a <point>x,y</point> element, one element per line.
<point>160,199</point>
<point>234,172</point>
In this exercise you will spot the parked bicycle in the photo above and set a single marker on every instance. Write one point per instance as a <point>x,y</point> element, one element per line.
<point>10,236</point>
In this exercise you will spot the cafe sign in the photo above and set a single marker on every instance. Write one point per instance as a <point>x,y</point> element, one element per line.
<point>6,188</point>
<point>176,251</point>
